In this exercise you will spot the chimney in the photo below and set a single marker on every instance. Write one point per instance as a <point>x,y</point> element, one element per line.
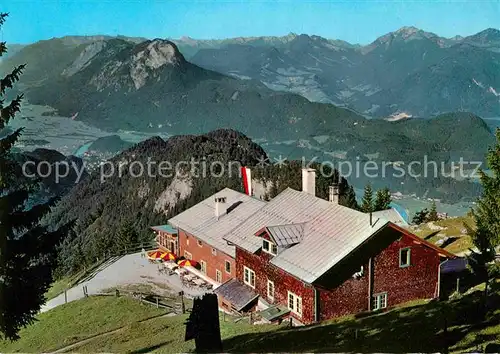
<point>309,180</point>
<point>246,173</point>
<point>334,194</point>
<point>220,207</point>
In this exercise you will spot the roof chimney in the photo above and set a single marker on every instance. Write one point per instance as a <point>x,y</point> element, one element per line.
<point>220,207</point>
<point>334,193</point>
<point>309,180</point>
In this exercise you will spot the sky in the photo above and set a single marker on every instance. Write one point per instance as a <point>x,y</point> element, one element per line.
<point>354,21</point>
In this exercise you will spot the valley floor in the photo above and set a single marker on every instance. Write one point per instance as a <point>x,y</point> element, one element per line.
<point>110,324</point>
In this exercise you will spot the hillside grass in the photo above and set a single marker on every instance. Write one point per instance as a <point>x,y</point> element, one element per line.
<point>77,320</point>
<point>457,243</point>
<point>414,327</point>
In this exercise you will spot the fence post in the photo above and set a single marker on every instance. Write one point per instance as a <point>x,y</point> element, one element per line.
<point>157,302</point>
<point>250,318</point>
<point>65,296</point>
<point>183,306</point>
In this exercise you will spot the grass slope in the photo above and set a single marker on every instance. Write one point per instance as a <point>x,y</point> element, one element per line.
<point>415,327</point>
<point>449,231</point>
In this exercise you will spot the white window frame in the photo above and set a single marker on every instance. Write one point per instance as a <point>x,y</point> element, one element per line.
<point>408,257</point>
<point>296,307</point>
<point>214,251</point>
<point>378,304</point>
<point>249,281</point>
<point>203,266</point>
<point>225,266</point>
<point>270,246</point>
<point>270,284</point>
<point>188,255</point>
<point>218,276</point>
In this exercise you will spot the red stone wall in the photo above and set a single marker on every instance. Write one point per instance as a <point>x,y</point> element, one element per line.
<point>283,282</point>
<point>348,298</point>
<point>189,243</point>
<point>418,281</point>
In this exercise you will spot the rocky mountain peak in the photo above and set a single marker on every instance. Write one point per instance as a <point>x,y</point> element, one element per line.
<point>407,30</point>
<point>489,34</point>
<point>152,55</point>
<point>157,53</point>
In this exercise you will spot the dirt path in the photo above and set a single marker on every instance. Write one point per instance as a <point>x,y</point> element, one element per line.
<point>113,331</point>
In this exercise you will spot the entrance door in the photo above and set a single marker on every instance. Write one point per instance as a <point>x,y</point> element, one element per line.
<point>171,246</point>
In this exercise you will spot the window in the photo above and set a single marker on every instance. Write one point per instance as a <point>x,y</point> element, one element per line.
<point>228,267</point>
<point>249,277</point>
<point>404,257</point>
<point>269,247</point>
<point>379,301</point>
<point>187,241</point>
<point>270,289</point>
<point>214,251</point>
<point>295,303</point>
<point>218,276</point>
<point>203,267</point>
<point>200,243</point>
<point>188,255</point>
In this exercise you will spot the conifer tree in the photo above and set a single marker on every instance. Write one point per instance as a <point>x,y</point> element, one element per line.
<point>420,217</point>
<point>127,236</point>
<point>349,199</point>
<point>27,250</point>
<point>382,199</point>
<point>486,233</point>
<point>433,215</point>
<point>367,201</point>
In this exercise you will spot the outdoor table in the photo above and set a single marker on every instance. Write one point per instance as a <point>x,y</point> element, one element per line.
<point>199,281</point>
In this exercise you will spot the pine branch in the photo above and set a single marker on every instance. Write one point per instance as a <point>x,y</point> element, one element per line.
<point>8,112</point>
<point>3,48</point>
<point>8,142</point>
<point>3,16</point>
<point>12,202</point>
<point>28,219</point>
<point>9,80</point>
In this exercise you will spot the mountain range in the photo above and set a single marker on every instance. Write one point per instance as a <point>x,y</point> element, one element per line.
<point>150,86</point>
<point>130,84</point>
<point>406,73</point>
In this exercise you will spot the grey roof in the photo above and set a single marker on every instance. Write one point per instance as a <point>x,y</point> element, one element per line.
<point>285,235</point>
<point>200,220</point>
<point>331,232</point>
<point>391,215</point>
<point>238,294</point>
<point>165,228</point>
<point>454,265</point>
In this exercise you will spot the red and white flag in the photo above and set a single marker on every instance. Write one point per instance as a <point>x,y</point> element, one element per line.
<point>247,180</point>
